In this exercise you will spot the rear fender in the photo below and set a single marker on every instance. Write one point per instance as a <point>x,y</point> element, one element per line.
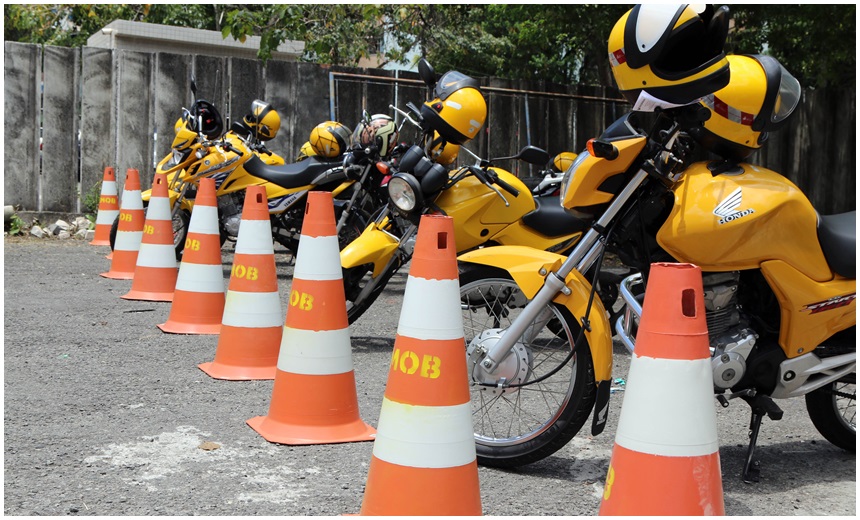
<point>373,246</point>
<point>528,267</point>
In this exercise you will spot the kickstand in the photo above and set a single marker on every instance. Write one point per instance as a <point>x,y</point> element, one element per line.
<point>761,405</point>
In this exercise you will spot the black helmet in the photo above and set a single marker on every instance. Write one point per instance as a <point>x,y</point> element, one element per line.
<point>207,115</point>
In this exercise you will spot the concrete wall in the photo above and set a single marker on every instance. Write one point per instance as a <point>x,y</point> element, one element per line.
<point>118,100</point>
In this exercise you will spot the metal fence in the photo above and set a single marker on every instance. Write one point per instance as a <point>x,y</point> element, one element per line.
<point>69,113</point>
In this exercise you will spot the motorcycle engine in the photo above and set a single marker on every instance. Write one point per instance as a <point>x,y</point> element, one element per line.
<point>730,338</point>
<point>230,210</point>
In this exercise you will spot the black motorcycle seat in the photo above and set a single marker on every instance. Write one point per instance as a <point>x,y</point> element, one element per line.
<point>550,219</point>
<point>291,175</point>
<point>837,235</point>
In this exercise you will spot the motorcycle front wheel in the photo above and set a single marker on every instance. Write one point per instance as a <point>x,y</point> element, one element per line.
<point>180,231</point>
<point>543,391</point>
<point>832,409</point>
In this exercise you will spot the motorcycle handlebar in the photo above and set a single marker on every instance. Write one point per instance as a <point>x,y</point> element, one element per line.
<point>489,178</point>
<point>229,147</point>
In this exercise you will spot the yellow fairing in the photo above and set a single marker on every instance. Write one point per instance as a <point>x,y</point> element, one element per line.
<point>184,136</point>
<point>810,311</point>
<point>524,265</point>
<point>737,222</point>
<point>584,185</point>
<point>479,213</point>
<point>373,246</point>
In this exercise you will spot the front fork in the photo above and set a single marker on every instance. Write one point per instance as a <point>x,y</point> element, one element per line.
<point>583,256</point>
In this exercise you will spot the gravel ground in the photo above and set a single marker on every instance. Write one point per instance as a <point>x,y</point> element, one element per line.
<point>105,415</point>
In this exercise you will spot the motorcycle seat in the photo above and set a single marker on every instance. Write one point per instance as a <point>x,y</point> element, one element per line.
<point>837,235</point>
<point>291,175</point>
<point>550,219</point>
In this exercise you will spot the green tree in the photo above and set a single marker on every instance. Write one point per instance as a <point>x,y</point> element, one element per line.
<point>562,43</point>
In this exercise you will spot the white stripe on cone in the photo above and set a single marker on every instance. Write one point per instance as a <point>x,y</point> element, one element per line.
<point>408,435</point>
<point>131,199</point>
<point>106,217</point>
<point>315,352</point>
<point>157,255</point>
<point>431,322</point>
<point>204,220</point>
<point>128,241</point>
<point>687,428</point>
<point>159,207</point>
<point>252,310</point>
<point>200,278</point>
<point>255,238</point>
<point>318,259</point>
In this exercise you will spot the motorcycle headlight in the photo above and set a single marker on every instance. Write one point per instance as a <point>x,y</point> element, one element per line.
<point>405,192</point>
<point>569,175</point>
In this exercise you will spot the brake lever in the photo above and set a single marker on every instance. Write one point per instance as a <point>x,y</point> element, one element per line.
<point>482,176</point>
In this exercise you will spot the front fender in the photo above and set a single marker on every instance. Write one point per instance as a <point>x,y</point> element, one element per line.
<point>525,266</point>
<point>373,246</point>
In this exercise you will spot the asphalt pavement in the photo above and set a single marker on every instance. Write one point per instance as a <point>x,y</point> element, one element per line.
<point>104,414</point>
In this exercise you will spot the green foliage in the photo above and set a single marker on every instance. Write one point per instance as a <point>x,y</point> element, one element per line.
<point>17,226</point>
<point>562,43</point>
<point>815,42</point>
<point>91,199</point>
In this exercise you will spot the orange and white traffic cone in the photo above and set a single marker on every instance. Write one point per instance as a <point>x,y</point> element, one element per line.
<point>425,439</point>
<point>198,301</point>
<point>108,209</point>
<point>253,317</point>
<point>666,458</point>
<point>129,232</point>
<point>156,268</point>
<point>314,399</point>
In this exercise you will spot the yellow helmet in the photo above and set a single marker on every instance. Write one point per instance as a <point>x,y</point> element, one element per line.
<point>330,138</point>
<point>671,52</point>
<point>442,152</point>
<point>759,99</point>
<point>562,161</point>
<point>306,151</point>
<point>263,120</point>
<point>458,110</point>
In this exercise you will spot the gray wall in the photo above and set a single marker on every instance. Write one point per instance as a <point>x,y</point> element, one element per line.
<point>118,99</point>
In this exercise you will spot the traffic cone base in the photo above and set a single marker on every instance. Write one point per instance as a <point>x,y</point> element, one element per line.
<point>256,359</point>
<point>328,415</point>
<point>108,209</point>
<point>198,299</point>
<point>642,484</point>
<point>444,482</point>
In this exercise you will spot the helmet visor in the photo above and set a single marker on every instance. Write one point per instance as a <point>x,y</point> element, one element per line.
<point>787,97</point>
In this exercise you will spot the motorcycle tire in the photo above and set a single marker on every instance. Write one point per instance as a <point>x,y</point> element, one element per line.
<point>550,389</point>
<point>832,411</point>
<point>180,231</point>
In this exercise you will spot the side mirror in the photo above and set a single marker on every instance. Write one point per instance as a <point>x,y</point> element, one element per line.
<point>193,86</point>
<point>534,155</point>
<point>426,73</point>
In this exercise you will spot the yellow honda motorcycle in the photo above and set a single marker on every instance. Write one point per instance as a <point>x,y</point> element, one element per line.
<point>483,215</point>
<point>779,285</point>
<point>779,279</point>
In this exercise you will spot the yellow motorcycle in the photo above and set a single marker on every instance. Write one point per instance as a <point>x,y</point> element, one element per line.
<point>779,279</point>
<point>421,183</point>
<point>240,159</point>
